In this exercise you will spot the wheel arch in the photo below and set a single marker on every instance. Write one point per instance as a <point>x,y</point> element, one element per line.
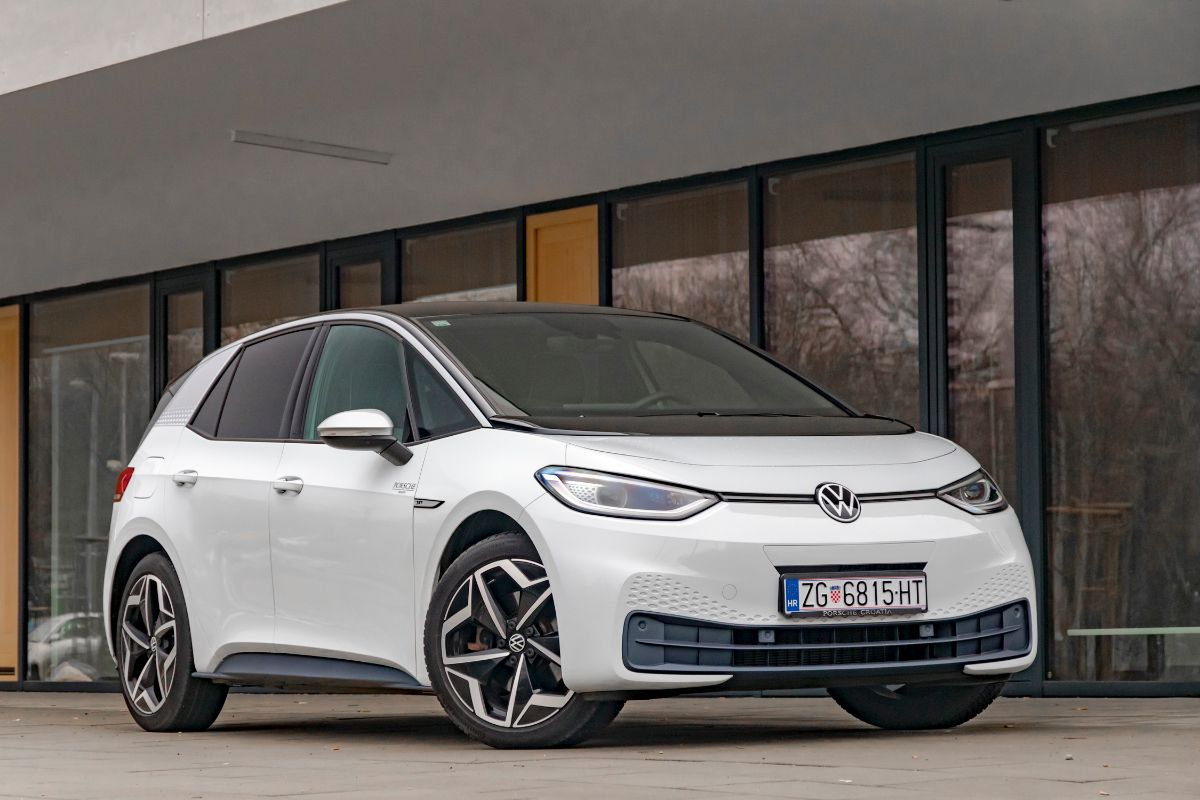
<point>133,551</point>
<point>472,530</point>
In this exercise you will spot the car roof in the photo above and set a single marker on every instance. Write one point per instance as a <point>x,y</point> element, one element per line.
<point>447,308</point>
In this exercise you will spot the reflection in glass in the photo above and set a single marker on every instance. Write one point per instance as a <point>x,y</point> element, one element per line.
<point>841,281</point>
<point>185,331</point>
<point>685,253</point>
<point>359,285</point>
<point>478,263</point>
<point>257,296</point>
<point>979,315</point>
<point>89,399</point>
<point>1121,242</point>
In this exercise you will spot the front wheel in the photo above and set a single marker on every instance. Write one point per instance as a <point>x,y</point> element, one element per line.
<point>491,646</point>
<point>916,707</point>
<point>154,653</point>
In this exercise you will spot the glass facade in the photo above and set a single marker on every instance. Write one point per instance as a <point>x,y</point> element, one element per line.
<point>841,248</point>
<point>685,253</point>
<point>476,263</point>
<point>1121,243</point>
<point>840,280</point>
<point>979,315</point>
<point>185,331</point>
<point>259,295</point>
<point>89,398</point>
<point>360,285</point>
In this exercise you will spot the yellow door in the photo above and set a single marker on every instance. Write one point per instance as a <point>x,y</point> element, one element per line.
<point>562,261</point>
<point>10,396</point>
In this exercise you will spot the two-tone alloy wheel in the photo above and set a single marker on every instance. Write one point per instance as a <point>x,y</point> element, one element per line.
<point>148,644</point>
<point>492,648</point>
<point>154,653</point>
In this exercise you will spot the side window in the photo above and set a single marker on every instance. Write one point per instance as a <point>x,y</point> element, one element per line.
<point>360,367</point>
<point>209,413</point>
<point>260,388</point>
<point>438,411</point>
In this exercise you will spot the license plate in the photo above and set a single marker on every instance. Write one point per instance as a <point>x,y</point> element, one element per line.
<point>854,595</point>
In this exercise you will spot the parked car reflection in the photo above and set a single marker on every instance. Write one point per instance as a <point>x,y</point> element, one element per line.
<point>66,647</point>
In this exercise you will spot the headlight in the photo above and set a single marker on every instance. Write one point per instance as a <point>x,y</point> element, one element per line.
<point>976,493</point>
<point>617,496</point>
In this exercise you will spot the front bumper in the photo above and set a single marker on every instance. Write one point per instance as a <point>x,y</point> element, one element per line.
<point>720,571</point>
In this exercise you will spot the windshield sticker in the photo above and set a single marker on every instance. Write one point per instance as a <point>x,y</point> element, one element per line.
<point>440,323</point>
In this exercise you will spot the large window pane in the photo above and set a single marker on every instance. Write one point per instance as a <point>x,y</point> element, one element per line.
<point>841,281</point>
<point>257,296</point>
<point>1121,219</point>
<point>979,315</point>
<point>360,284</point>
<point>477,263</point>
<point>89,399</point>
<point>185,331</point>
<point>685,253</point>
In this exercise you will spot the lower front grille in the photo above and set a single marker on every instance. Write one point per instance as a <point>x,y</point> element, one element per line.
<point>659,643</point>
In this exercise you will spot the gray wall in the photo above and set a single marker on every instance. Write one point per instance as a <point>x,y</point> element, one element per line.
<point>494,104</point>
<point>44,40</point>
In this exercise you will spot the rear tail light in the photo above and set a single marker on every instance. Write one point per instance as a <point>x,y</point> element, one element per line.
<point>122,484</point>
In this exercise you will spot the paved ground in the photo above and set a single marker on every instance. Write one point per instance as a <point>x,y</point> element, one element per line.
<point>85,746</point>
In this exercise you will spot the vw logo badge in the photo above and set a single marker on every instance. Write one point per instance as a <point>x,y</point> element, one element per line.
<point>516,643</point>
<point>838,502</point>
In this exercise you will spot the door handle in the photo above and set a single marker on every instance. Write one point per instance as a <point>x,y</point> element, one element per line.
<point>288,484</point>
<point>185,477</point>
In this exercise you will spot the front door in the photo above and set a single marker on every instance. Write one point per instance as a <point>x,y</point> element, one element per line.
<point>341,521</point>
<point>562,256</point>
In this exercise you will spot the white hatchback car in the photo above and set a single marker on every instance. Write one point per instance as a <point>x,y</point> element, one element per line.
<point>542,511</point>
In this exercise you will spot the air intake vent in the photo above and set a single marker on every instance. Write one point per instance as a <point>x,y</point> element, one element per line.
<point>658,643</point>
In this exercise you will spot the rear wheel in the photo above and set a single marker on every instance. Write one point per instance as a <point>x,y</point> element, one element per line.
<point>154,653</point>
<point>916,707</point>
<point>491,646</point>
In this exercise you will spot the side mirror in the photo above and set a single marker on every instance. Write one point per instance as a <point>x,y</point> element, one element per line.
<point>364,429</point>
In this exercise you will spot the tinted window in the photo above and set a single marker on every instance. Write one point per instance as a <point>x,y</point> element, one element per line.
<point>587,364</point>
<point>360,367</point>
<point>259,391</point>
<point>206,418</point>
<point>438,411</point>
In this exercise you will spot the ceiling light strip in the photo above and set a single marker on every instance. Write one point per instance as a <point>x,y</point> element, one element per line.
<point>312,148</point>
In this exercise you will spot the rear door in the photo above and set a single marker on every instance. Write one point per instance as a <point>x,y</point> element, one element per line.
<point>216,492</point>
<point>341,520</point>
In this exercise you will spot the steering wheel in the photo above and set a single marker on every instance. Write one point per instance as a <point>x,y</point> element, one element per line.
<point>657,397</point>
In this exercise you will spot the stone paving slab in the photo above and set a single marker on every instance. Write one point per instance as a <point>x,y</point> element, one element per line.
<point>85,747</point>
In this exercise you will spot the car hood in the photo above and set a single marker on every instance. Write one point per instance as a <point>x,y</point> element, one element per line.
<point>778,465</point>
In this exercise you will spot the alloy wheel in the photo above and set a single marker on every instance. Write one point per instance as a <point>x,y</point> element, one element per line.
<point>499,642</point>
<point>148,644</point>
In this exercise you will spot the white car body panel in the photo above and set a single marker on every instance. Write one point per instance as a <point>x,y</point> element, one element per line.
<point>341,554</point>
<point>346,568</point>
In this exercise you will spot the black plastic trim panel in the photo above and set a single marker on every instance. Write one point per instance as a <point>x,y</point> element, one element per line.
<point>297,672</point>
<point>664,643</point>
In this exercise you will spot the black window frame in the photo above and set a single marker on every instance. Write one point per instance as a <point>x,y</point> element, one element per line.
<point>411,428</point>
<point>287,414</point>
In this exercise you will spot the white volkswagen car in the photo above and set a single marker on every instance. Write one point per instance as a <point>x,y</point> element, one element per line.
<point>539,512</point>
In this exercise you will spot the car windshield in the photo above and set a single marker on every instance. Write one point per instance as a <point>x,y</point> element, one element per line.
<point>567,364</point>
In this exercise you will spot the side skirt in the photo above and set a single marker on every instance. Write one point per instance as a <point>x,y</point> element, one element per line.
<point>296,673</point>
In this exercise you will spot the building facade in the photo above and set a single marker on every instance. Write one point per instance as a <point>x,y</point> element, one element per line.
<point>1009,257</point>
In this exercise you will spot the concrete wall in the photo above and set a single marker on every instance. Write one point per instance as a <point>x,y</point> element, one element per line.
<point>44,40</point>
<point>490,105</point>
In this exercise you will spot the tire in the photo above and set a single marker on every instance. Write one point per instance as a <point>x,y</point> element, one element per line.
<point>914,707</point>
<point>476,653</point>
<point>154,653</point>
